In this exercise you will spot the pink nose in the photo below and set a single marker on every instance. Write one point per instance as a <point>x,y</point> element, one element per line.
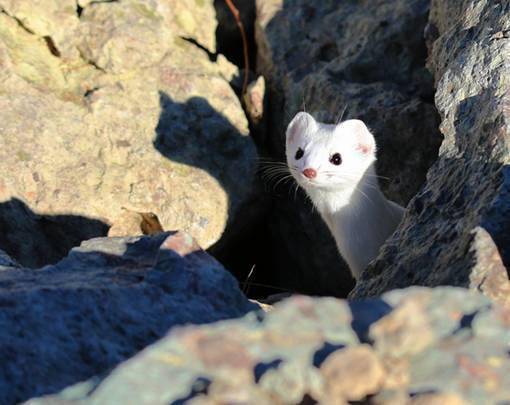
<point>310,173</point>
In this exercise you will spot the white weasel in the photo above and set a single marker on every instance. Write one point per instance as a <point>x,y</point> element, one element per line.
<point>334,164</point>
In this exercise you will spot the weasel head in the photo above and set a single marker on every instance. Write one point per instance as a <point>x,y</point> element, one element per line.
<point>329,157</point>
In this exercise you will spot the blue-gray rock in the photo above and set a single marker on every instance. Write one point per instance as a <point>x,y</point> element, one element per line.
<point>104,302</point>
<point>456,230</point>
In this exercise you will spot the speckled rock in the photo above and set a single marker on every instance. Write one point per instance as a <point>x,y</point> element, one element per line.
<point>352,374</point>
<point>101,108</point>
<point>370,64</point>
<point>104,302</point>
<point>325,350</point>
<point>456,230</point>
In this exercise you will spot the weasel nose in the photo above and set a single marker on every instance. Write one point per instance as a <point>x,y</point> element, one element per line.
<point>310,173</point>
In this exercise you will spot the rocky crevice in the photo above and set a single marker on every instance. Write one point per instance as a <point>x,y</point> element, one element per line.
<point>373,68</point>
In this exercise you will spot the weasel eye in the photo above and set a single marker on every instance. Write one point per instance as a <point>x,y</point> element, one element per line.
<point>299,154</point>
<point>336,159</point>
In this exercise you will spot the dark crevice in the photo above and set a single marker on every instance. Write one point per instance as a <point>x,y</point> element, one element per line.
<point>91,62</point>
<point>321,354</point>
<point>103,1</point>
<point>228,38</point>
<point>199,386</point>
<point>20,23</point>
<point>49,41</point>
<point>212,56</point>
<point>262,368</point>
<point>79,9</point>
<point>365,313</point>
<point>91,91</point>
<point>51,46</point>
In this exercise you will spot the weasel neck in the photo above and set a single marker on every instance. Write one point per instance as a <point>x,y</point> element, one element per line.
<point>360,219</point>
<point>361,198</point>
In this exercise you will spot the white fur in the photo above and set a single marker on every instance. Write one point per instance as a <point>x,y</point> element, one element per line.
<point>348,195</point>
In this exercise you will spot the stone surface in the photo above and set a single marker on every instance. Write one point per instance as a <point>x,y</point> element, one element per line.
<point>456,230</point>
<point>101,108</point>
<point>104,302</point>
<point>320,349</point>
<point>369,65</point>
<point>352,373</point>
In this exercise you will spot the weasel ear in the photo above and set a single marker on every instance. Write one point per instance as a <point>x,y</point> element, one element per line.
<point>365,142</point>
<point>302,122</point>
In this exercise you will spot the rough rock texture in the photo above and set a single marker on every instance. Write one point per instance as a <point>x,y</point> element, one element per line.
<point>457,229</point>
<point>104,302</point>
<point>415,346</point>
<point>101,108</point>
<point>366,59</point>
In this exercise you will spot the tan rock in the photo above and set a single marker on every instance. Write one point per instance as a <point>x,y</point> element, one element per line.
<point>353,373</point>
<point>54,20</point>
<point>128,122</point>
<point>405,331</point>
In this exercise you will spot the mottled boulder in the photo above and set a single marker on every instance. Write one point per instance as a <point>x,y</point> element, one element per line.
<point>101,108</point>
<point>325,350</point>
<point>456,230</point>
<point>104,302</point>
<point>369,63</point>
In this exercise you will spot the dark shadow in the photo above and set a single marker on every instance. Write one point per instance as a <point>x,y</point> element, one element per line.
<point>195,134</point>
<point>199,386</point>
<point>365,313</point>
<point>228,37</point>
<point>100,305</point>
<point>261,368</point>
<point>321,354</point>
<point>35,240</point>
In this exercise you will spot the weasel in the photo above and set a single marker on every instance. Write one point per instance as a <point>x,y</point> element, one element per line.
<point>335,165</point>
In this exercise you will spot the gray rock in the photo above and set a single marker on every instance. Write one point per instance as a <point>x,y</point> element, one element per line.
<point>104,302</point>
<point>370,62</point>
<point>456,230</point>
<point>322,349</point>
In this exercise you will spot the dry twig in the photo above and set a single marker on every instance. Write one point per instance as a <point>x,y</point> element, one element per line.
<point>235,13</point>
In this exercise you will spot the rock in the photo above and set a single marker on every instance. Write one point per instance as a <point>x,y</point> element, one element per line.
<point>405,329</point>
<point>254,100</point>
<point>104,302</point>
<point>309,350</point>
<point>456,229</point>
<point>372,67</point>
<point>54,21</point>
<point>101,108</point>
<point>489,274</point>
<point>352,373</point>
